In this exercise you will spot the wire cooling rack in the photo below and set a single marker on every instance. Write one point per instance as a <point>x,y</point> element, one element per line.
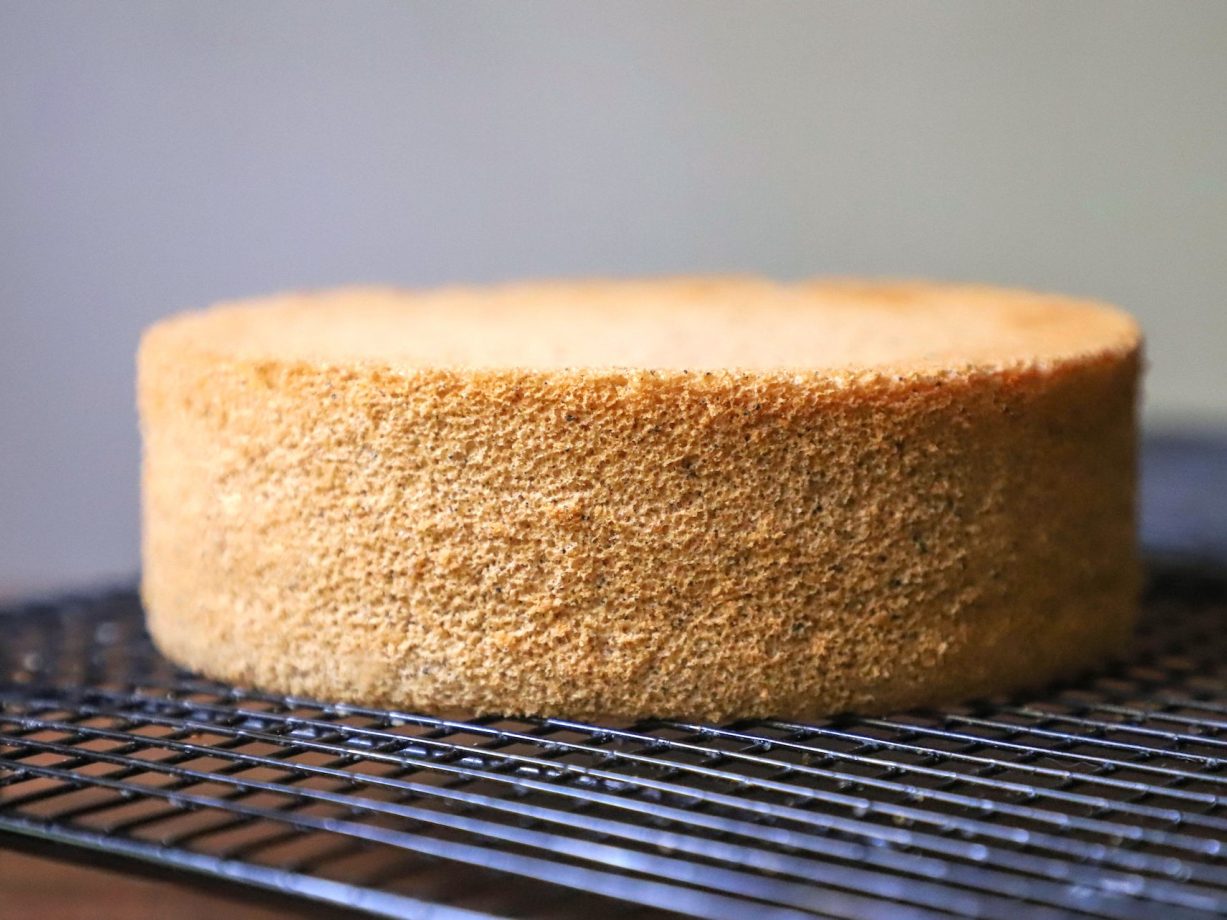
<point>1102,798</point>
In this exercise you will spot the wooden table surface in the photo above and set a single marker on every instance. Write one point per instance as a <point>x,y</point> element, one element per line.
<point>34,887</point>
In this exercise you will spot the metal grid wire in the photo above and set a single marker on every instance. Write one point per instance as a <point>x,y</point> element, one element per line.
<point>1103,798</point>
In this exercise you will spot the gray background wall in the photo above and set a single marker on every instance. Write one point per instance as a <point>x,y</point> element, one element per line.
<point>160,155</point>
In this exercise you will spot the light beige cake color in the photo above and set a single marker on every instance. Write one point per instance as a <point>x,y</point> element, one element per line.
<point>706,497</point>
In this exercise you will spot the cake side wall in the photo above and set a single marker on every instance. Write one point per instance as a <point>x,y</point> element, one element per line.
<point>631,544</point>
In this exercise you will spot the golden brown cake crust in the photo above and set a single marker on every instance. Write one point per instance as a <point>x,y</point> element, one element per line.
<point>911,519</point>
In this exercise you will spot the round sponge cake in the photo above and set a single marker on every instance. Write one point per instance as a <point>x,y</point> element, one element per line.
<point>697,497</point>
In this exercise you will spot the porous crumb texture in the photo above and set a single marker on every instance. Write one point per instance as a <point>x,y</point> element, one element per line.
<point>703,498</point>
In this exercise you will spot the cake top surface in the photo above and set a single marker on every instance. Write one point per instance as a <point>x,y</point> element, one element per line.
<point>692,324</point>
